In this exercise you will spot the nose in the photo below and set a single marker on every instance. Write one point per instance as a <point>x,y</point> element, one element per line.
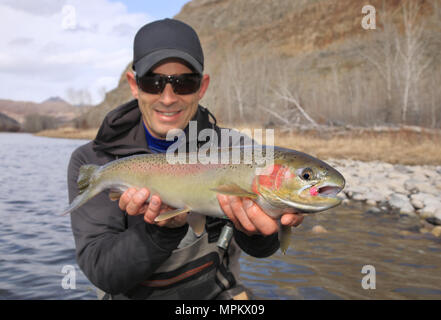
<point>168,96</point>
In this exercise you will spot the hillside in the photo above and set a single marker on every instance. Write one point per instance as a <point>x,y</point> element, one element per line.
<point>33,117</point>
<point>8,124</point>
<point>273,62</point>
<point>56,108</point>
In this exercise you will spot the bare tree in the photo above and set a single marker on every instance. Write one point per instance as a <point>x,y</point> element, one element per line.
<point>79,97</point>
<point>284,90</point>
<point>383,56</point>
<point>412,54</point>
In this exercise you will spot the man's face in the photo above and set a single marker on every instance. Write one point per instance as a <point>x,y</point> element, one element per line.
<point>168,110</point>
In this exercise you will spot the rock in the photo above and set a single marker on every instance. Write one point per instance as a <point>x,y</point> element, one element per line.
<point>408,212</point>
<point>425,172</point>
<point>431,202</point>
<point>373,210</point>
<point>376,196</point>
<point>426,187</point>
<point>371,202</point>
<point>401,169</point>
<point>318,229</point>
<point>359,196</point>
<point>433,220</point>
<point>417,204</point>
<point>342,195</point>
<point>436,231</point>
<point>410,186</point>
<point>402,202</point>
<point>430,212</point>
<point>397,187</point>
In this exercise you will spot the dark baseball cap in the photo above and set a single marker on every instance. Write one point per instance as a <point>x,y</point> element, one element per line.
<point>163,39</point>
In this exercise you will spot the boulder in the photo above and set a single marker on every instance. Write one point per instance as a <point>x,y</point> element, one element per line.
<point>401,202</point>
<point>436,231</point>
<point>318,229</point>
<point>417,204</point>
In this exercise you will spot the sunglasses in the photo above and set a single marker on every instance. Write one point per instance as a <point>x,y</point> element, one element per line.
<point>186,83</point>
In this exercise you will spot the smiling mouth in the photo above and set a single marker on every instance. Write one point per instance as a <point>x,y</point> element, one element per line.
<point>168,113</point>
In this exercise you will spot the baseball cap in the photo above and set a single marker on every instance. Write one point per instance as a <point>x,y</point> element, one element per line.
<point>167,38</point>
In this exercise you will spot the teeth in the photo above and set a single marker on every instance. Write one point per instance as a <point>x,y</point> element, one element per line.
<point>169,114</point>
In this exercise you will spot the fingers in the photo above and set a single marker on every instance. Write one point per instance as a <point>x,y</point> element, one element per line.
<point>241,215</point>
<point>263,223</point>
<point>133,201</point>
<point>247,216</point>
<point>153,209</point>
<point>292,219</point>
<point>224,203</point>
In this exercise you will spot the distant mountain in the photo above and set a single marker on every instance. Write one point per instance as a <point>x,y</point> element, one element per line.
<point>55,99</point>
<point>54,107</point>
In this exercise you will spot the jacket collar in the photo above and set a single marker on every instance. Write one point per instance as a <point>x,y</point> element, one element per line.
<point>122,132</point>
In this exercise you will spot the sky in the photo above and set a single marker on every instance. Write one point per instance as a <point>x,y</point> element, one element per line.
<point>56,47</point>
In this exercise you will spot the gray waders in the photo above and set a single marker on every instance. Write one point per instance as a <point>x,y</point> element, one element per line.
<point>200,268</point>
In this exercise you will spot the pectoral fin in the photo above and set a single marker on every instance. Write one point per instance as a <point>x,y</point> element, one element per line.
<point>284,237</point>
<point>171,214</point>
<point>234,190</point>
<point>196,222</point>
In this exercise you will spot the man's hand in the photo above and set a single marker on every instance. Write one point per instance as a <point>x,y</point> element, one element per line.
<point>249,218</point>
<point>133,201</point>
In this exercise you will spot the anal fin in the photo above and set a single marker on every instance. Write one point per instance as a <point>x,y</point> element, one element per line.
<point>196,222</point>
<point>284,237</point>
<point>171,214</point>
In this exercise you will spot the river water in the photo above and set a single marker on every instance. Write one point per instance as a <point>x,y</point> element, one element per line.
<point>36,243</point>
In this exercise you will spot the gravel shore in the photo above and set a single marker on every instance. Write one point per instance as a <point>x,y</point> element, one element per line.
<point>407,190</point>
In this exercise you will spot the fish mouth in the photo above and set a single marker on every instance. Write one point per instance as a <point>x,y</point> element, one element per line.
<point>312,207</point>
<point>329,190</point>
<point>314,198</point>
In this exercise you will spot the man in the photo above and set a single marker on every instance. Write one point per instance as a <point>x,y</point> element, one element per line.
<point>120,248</point>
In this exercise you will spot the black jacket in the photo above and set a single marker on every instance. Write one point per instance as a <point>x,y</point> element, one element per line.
<point>114,253</point>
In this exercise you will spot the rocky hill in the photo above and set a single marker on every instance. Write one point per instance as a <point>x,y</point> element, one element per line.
<point>53,111</point>
<point>54,107</point>
<point>8,124</point>
<point>311,62</point>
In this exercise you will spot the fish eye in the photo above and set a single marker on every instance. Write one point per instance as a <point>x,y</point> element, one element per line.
<point>307,174</point>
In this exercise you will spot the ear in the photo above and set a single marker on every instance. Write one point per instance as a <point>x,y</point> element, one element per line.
<point>132,83</point>
<point>204,85</point>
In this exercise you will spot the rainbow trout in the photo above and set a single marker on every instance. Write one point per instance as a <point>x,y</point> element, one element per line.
<point>293,180</point>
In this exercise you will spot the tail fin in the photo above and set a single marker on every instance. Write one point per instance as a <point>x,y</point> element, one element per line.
<point>86,190</point>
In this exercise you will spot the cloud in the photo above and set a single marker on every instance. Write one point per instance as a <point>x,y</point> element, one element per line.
<point>20,41</point>
<point>51,49</point>
<point>40,7</point>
